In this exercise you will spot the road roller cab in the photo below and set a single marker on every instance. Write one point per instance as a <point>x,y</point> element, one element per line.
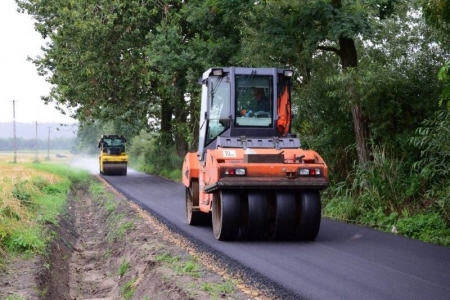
<point>250,175</point>
<point>113,159</point>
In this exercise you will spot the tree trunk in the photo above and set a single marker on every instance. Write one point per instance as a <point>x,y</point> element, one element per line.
<point>181,145</point>
<point>166,123</point>
<point>349,59</point>
<point>361,128</point>
<point>181,117</point>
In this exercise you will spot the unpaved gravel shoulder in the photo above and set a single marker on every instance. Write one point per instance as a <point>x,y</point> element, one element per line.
<point>106,247</point>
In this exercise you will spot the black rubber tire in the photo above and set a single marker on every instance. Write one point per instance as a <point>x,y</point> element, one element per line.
<point>192,199</point>
<point>285,216</point>
<point>309,213</point>
<point>254,223</point>
<point>226,215</point>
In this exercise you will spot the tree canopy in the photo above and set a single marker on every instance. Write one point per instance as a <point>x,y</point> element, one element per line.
<point>365,70</point>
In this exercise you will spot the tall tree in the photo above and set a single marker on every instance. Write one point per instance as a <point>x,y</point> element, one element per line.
<point>190,39</point>
<point>323,26</point>
<point>94,57</point>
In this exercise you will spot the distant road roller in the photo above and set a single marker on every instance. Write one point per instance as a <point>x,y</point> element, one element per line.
<point>113,159</point>
<point>250,175</point>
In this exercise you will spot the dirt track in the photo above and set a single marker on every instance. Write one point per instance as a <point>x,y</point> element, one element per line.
<point>107,248</point>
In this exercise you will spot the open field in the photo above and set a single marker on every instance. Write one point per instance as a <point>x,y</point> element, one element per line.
<point>30,156</point>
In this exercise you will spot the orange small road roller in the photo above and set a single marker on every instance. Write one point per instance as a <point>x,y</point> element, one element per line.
<point>250,176</point>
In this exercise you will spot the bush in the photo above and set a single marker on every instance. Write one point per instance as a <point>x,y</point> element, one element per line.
<point>434,145</point>
<point>139,145</point>
<point>148,154</point>
<point>425,227</point>
<point>378,219</point>
<point>340,207</point>
<point>381,183</point>
<point>381,194</point>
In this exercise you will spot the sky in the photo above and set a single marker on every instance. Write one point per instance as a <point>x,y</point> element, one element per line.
<point>19,79</point>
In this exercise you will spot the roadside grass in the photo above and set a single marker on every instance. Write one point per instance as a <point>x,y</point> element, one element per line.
<point>190,267</point>
<point>123,268</point>
<point>382,197</point>
<point>117,227</point>
<point>128,289</point>
<point>426,224</point>
<point>215,290</point>
<point>31,196</point>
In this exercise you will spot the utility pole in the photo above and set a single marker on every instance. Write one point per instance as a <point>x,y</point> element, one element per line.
<point>14,131</point>
<point>48,144</point>
<point>37,144</point>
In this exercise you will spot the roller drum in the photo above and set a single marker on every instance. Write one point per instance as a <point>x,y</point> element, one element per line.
<point>115,168</point>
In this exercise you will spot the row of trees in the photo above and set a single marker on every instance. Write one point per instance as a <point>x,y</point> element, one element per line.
<point>134,61</point>
<point>9,144</point>
<point>372,76</point>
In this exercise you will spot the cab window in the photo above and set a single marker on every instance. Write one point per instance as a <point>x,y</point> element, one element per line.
<point>219,106</point>
<point>254,100</point>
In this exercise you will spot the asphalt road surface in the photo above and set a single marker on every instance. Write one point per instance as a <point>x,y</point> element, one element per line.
<point>344,262</point>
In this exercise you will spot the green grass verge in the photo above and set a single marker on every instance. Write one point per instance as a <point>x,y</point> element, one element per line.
<point>32,196</point>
